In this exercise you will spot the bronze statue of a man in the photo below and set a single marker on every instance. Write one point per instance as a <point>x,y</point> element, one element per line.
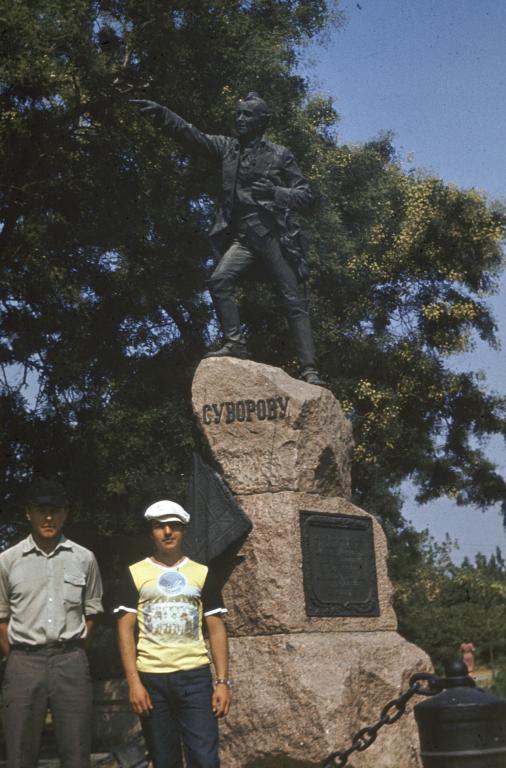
<point>262,184</point>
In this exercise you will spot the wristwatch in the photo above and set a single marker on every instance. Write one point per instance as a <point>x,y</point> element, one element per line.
<point>223,681</point>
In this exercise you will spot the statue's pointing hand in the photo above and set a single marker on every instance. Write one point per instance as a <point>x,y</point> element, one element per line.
<point>149,106</point>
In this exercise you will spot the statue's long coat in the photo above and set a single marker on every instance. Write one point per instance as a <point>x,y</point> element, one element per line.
<point>272,161</point>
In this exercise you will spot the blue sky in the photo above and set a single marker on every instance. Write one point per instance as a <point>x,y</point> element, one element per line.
<point>433,72</point>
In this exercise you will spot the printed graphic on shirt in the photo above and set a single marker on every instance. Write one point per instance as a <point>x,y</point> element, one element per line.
<point>175,619</point>
<point>172,583</point>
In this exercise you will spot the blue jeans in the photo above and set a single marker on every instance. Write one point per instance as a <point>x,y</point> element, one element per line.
<point>182,710</point>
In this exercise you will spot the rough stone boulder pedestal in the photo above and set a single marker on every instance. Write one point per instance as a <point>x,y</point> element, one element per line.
<point>315,653</point>
<point>269,432</point>
<point>299,697</point>
<point>265,592</point>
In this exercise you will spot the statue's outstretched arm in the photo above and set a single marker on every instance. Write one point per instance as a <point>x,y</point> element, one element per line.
<point>181,130</point>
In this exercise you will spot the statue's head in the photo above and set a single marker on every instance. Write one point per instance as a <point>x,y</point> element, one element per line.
<point>252,116</point>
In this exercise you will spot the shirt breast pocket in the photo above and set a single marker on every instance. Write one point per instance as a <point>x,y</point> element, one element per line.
<point>73,588</point>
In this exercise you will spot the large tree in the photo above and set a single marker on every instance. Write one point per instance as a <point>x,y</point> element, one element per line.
<point>415,261</point>
<point>103,291</point>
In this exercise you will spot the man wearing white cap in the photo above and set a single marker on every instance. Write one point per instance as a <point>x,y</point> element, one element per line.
<point>166,597</point>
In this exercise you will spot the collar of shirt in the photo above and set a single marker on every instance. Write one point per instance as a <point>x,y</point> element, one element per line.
<point>29,545</point>
<point>184,560</point>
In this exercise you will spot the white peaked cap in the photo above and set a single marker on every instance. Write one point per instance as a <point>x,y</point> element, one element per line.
<point>166,512</point>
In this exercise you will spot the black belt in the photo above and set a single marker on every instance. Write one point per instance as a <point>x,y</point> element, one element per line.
<point>62,645</point>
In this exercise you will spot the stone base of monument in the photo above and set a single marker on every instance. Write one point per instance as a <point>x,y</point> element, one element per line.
<point>314,650</point>
<point>301,696</point>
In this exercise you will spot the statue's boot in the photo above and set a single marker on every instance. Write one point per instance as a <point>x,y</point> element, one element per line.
<point>302,335</point>
<point>311,376</point>
<point>228,315</point>
<point>231,349</point>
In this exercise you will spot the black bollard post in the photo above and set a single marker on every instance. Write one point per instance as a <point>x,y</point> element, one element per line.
<point>462,727</point>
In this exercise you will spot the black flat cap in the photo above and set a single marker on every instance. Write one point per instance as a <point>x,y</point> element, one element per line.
<point>49,492</point>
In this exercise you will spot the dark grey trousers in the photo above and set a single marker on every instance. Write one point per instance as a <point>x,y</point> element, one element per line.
<point>34,681</point>
<point>247,248</point>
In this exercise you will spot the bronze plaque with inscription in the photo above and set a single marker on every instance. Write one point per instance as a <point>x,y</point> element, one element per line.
<point>339,565</point>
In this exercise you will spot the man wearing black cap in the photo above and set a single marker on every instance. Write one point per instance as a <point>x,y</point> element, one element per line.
<point>262,185</point>
<point>162,603</point>
<point>50,593</point>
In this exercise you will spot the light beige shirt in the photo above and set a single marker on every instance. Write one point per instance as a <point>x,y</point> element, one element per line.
<point>46,597</point>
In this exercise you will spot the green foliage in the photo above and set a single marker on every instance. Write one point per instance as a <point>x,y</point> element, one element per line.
<point>440,605</point>
<point>103,296</point>
<point>403,263</point>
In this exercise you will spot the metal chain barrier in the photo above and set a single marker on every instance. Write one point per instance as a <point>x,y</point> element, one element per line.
<point>390,713</point>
